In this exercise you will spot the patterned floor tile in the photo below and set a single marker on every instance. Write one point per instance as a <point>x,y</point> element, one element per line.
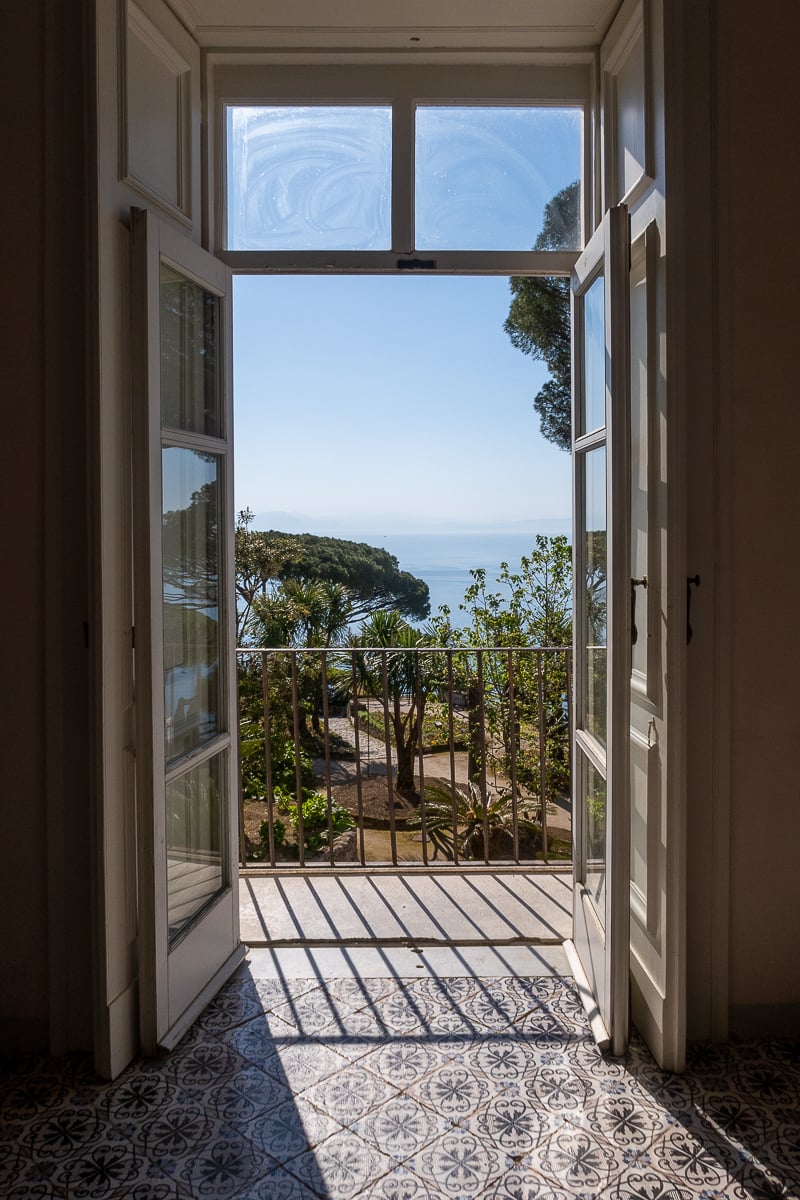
<point>259,1038</point>
<point>291,1129</point>
<point>512,1124</point>
<point>698,1163</point>
<point>406,1012</point>
<point>403,1184</point>
<point>236,1003</point>
<point>459,1164</point>
<point>246,1095</point>
<point>403,1089</point>
<point>453,1090</point>
<point>401,1127</point>
<point>280,1185</point>
<point>406,1061</point>
<point>274,992</point>
<point>502,1060</point>
<point>29,1190</point>
<point>51,1139</point>
<point>303,1064</point>
<point>342,1167</point>
<point>648,1184</point>
<point>225,1166</point>
<point>523,1184</point>
<point>349,1094</point>
<point>112,1168</point>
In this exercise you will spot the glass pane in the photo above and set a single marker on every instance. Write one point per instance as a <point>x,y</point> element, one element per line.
<point>194,841</point>
<point>594,836</point>
<point>190,377</point>
<point>498,178</point>
<point>191,570</point>
<point>595,596</point>
<point>640,508</point>
<point>309,178</point>
<point>594,357</point>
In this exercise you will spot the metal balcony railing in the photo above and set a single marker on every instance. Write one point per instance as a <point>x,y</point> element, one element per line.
<point>404,755</point>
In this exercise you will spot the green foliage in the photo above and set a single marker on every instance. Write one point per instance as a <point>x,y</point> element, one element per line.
<point>251,728</point>
<point>476,817</point>
<point>538,321</point>
<point>315,823</point>
<point>410,678</point>
<point>369,575</point>
<point>534,610</point>
<point>260,558</point>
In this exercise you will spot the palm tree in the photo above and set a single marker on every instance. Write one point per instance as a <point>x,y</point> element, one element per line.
<point>475,818</point>
<point>391,666</point>
<point>304,613</point>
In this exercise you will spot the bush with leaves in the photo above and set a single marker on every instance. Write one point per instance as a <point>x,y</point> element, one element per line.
<point>316,830</point>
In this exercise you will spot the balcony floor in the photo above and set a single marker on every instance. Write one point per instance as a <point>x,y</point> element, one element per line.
<point>321,906</point>
<point>402,1086</point>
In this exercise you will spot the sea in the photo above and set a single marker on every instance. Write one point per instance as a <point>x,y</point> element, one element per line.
<point>444,560</point>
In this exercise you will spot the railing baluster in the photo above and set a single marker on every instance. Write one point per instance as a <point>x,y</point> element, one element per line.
<point>268,757</point>
<point>327,739</point>
<point>451,741</point>
<point>570,760</point>
<point>423,823</point>
<point>354,702</point>
<point>512,726</point>
<point>482,711</point>
<point>240,788</point>
<point>542,755</point>
<point>482,746</point>
<point>298,766</point>
<point>388,744</point>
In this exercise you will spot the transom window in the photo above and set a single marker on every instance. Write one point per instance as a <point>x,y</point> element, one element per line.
<point>404,171</point>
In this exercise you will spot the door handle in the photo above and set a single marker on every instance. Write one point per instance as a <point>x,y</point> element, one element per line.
<point>634,584</point>
<point>691,581</point>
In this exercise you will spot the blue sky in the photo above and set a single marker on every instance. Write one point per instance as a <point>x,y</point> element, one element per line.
<point>391,402</point>
<point>386,402</point>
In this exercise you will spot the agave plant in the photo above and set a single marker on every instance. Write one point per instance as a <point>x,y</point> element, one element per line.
<point>475,816</point>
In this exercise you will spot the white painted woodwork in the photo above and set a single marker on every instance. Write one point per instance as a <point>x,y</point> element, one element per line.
<point>159,110</point>
<point>601,926</point>
<point>438,24</point>
<point>627,104</point>
<point>231,81</point>
<point>116,1034</point>
<point>173,976</point>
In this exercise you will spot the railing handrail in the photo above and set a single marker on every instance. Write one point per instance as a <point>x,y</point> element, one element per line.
<point>398,649</point>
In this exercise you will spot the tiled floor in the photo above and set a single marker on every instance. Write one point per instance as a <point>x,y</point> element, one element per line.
<point>440,1085</point>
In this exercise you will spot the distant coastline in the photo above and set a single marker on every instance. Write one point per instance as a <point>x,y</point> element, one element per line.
<point>444,560</point>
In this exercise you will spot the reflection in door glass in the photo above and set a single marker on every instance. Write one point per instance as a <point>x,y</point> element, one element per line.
<point>190,376</point>
<point>194,842</point>
<point>594,357</point>
<point>595,596</point>
<point>309,177</point>
<point>498,178</point>
<point>594,837</point>
<point>191,578</point>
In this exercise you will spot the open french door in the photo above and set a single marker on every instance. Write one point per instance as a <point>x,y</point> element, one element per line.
<point>602,628</point>
<point>186,764</point>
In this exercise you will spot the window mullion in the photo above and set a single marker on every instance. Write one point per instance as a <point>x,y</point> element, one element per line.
<point>403,176</point>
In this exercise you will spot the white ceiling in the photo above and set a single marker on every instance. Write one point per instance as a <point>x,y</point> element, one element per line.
<point>409,25</point>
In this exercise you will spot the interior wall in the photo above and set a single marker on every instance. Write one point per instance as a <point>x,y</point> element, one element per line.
<point>756,98</point>
<point>45,994</point>
<point>24,1010</point>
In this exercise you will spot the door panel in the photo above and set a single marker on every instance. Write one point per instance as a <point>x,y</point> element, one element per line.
<point>185,690</point>
<point>602,624</point>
